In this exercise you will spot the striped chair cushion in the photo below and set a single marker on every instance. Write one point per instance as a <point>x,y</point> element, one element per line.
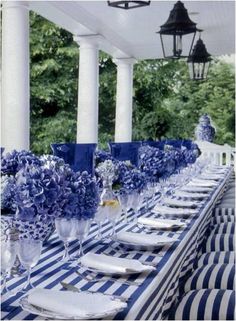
<point>223,219</point>
<point>224,228</point>
<point>227,203</point>
<point>216,257</point>
<point>219,242</point>
<point>205,305</point>
<point>223,211</point>
<point>212,276</point>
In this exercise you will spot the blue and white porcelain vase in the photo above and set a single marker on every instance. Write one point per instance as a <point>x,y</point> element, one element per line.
<point>80,157</point>
<point>204,130</point>
<point>126,151</point>
<point>39,229</point>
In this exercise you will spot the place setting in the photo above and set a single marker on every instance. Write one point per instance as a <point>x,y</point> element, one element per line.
<point>72,305</point>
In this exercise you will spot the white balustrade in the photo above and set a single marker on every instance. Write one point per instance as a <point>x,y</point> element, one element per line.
<point>219,154</point>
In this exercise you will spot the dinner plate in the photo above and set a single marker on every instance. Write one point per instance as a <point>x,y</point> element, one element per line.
<point>146,247</point>
<point>180,203</point>
<point>105,272</point>
<point>25,305</point>
<point>176,225</point>
<point>197,196</point>
<point>196,189</point>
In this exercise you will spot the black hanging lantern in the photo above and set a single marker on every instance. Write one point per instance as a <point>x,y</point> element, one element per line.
<point>174,45</point>
<point>199,61</point>
<point>128,4</point>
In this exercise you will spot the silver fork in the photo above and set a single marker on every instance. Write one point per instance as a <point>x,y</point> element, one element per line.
<point>89,278</point>
<point>73,288</point>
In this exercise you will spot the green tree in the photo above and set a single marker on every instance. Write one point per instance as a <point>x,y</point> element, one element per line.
<point>166,102</point>
<point>53,81</point>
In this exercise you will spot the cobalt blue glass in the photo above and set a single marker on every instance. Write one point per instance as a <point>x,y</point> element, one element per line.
<point>187,143</point>
<point>80,157</point>
<point>126,151</point>
<point>157,144</point>
<point>2,150</point>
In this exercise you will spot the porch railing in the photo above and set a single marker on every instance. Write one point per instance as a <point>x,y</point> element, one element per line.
<point>219,154</point>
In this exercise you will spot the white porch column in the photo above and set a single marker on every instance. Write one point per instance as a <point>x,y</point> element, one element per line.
<point>124,99</point>
<point>15,76</point>
<point>87,116</point>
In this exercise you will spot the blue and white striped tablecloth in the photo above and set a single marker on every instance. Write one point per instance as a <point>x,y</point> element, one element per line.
<point>158,290</point>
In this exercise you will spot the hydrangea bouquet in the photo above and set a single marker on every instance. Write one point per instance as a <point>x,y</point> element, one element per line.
<point>38,189</point>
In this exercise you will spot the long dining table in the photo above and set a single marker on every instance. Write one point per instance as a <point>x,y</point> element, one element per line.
<point>156,291</point>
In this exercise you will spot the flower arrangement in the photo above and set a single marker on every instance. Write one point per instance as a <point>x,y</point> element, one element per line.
<point>101,156</point>
<point>7,193</point>
<point>151,162</point>
<point>82,196</point>
<point>12,162</point>
<point>133,180</point>
<point>42,187</point>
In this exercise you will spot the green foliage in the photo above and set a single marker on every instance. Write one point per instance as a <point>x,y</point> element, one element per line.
<point>166,102</point>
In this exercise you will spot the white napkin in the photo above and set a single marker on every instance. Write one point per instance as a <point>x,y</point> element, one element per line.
<point>73,304</point>
<point>201,182</point>
<point>160,223</point>
<point>143,239</point>
<point>210,177</point>
<point>196,189</point>
<point>179,203</point>
<point>170,210</point>
<point>190,195</point>
<point>112,264</point>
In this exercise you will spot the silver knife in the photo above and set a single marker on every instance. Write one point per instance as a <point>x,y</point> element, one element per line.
<point>73,288</point>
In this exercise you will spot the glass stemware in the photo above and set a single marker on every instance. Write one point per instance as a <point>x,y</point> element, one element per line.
<point>65,228</point>
<point>82,228</point>
<point>123,199</point>
<point>29,252</point>
<point>8,257</point>
<point>113,214</point>
<point>137,200</point>
<point>100,218</point>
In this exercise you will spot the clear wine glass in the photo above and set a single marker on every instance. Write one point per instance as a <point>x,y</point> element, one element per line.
<point>29,252</point>
<point>100,218</point>
<point>82,228</point>
<point>123,199</point>
<point>65,228</point>
<point>8,257</point>
<point>114,211</point>
<point>137,200</point>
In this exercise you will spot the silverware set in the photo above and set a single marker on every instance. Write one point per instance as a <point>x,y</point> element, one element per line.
<point>90,276</point>
<point>73,288</point>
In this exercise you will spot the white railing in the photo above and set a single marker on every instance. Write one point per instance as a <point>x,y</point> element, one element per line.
<point>219,154</point>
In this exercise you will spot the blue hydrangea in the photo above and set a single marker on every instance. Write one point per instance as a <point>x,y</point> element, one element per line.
<point>7,193</point>
<point>101,156</point>
<point>12,162</point>
<point>133,180</point>
<point>82,198</point>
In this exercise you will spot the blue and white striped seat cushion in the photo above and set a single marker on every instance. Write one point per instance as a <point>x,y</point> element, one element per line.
<point>212,276</point>
<point>216,257</point>
<point>227,203</point>
<point>219,242</point>
<point>223,211</point>
<point>224,228</point>
<point>205,305</point>
<point>223,219</point>
<point>223,215</point>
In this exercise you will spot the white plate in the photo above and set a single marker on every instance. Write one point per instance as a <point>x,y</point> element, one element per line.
<point>180,203</point>
<point>173,224</point>
<point>164,240</point>
<point>25,305</point>
<point>196,189</point>
<point>197,196</point>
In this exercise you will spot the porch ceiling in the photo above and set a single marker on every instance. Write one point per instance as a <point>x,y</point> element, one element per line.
<point>132,33</point>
